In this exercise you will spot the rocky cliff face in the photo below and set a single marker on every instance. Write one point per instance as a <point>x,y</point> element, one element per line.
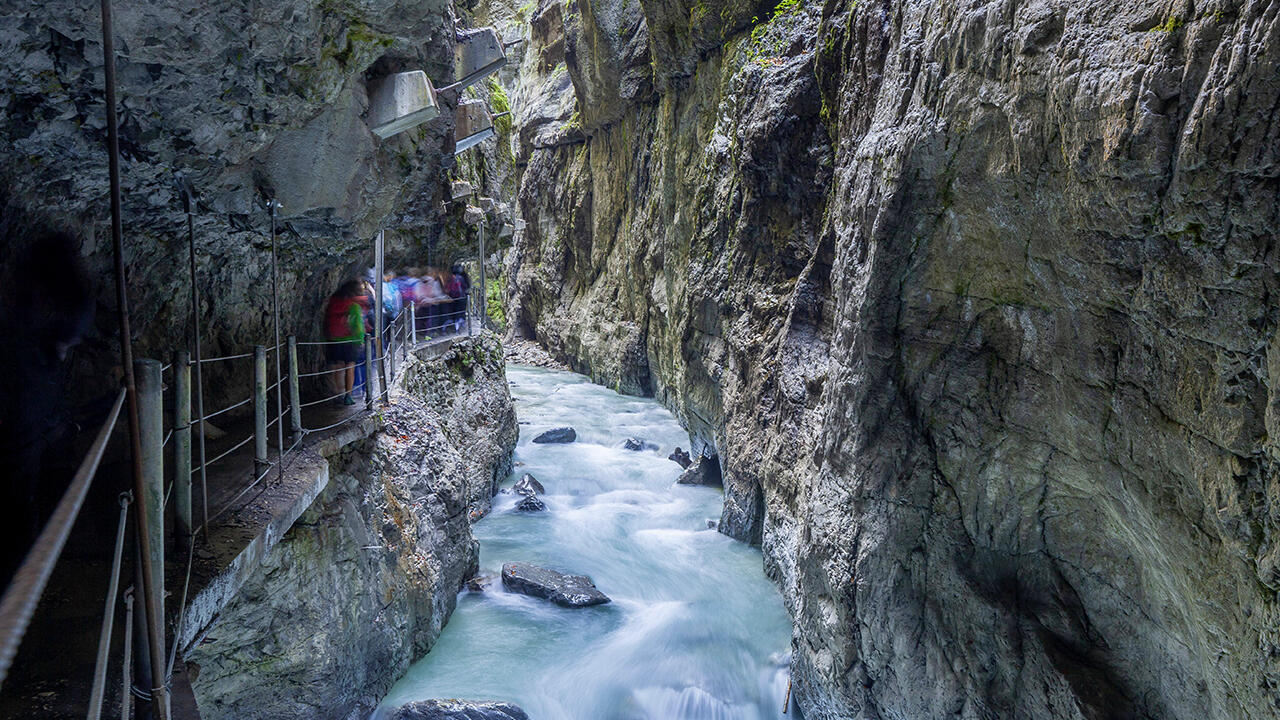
<point>245,101</point>
<point>974,301</point>
<point>363,583</point>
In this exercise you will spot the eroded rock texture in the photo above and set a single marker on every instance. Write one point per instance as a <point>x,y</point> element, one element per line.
<point>245,101</point>
<point>363,583</point>
<point>975,302</point>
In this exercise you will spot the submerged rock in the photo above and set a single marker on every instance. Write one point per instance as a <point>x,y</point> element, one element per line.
<point>528,485</point>
<point>458,710</point>
<point>705,472</point>
<point>681,458</point>
<point>531,503</point>
<point>638,444</point>
<point>557,435</point>
<point>558,587</point>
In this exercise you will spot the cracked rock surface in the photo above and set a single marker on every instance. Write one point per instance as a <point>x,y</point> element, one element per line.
<point>363,583</point>
<point>975,302</point>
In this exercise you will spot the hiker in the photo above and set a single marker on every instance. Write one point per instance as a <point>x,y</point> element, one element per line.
<point>464,281</point>
<point>458,292</point>
<point>344,327</point>
<point>433,298</point>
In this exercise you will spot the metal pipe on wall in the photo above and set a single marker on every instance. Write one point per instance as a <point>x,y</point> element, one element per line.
<point>152,585</point>
<point>188,205</point>
<point>275,309</point>
<point>377,315</point>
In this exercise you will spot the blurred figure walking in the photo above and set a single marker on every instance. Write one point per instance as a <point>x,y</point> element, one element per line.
<point>345,330</point>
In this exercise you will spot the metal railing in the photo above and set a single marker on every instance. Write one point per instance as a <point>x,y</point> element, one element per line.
<point>20,599</point>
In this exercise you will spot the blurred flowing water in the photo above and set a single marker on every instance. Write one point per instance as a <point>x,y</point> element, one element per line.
<point>695,630</point>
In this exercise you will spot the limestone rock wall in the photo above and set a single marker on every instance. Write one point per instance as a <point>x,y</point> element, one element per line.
<point>246,101</point>
<point>975,301</point>
<point>363,583</point>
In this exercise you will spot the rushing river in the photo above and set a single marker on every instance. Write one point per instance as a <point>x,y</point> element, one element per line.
<point>695,630</point>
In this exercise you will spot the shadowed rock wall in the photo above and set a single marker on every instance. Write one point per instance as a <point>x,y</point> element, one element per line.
<point>975,300</point>
<point>247,101</point>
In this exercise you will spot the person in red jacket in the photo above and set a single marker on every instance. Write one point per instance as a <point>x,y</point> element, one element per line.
<point>345,330</point>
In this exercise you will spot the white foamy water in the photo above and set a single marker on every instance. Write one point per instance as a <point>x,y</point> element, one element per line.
<point>695,630</point>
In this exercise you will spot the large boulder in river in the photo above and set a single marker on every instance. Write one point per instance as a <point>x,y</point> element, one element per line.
<point>528,485</point>
<point>705,472</point>
<point>557,435</point>
<point>638,444</point>
<point>458,710</point>
<point>558,587</point>
<point>530,503</point>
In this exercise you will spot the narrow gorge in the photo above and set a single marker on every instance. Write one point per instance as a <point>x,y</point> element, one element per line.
<point>966,304</point>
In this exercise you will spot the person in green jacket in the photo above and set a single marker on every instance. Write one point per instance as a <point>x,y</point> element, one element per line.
<point>345,331</point>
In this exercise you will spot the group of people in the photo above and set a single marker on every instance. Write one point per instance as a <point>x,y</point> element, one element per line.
<point>439,299</point>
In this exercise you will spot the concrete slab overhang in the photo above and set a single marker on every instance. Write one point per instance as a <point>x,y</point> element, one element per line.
<point>401,101</point>
<point>478,53</point>
<point>472,124</point>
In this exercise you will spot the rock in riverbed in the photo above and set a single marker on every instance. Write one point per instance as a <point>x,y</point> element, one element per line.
<point>705,472</point>
<point>638,444</point>
<point>681,458</point>
<point>528,485</point>
<point>530,503</point>
<point>557,435</point>
<point>558,587</point>
<point>458,710</point>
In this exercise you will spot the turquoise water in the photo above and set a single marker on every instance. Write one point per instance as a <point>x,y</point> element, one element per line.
<point>695,630</point>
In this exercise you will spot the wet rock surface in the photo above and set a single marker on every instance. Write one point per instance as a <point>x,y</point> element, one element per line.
<point>681,458</point>
<point>458,710</point>
<point>557,435</point>
<point>560,588</point>
<point>528,485</point>
<point>706,471</point>
<point>242,101</point>
<point>530,504</point>
<point>969,301</point>
<point>637,445</point>
<point>363,582</point>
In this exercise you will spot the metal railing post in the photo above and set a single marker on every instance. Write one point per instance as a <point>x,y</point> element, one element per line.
<point>99,689</point>
<point>275,310</point>
<point>126,342</point>
<point>295,398</point>
<point>413,326</point>
<point>182,445</point>
<point>391,353</point>
<point>378,340</point>
<point>151,435</point>
<point>259,408</point>
<point>368,374</point>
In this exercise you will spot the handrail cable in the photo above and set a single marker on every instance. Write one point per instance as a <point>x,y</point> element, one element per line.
<point>230,450</point>
<point>24,591</point>
<point>215,414</point>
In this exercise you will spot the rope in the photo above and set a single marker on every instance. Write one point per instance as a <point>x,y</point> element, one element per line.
<point>318,372</point>
<point>213,415</point>
<point>226,357</point>
<point>28,583</point>
<point>331,397</point>
<point>314,343</point>
<point>231,503</point>
<point>182,614</point>
<point>230,450</point>
<point>343,421</point>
